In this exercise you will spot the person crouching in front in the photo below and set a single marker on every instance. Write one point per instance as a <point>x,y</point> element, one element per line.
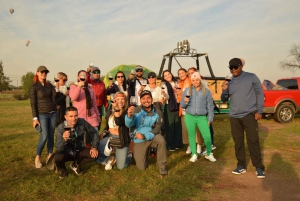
<point>147,122</point>
<point>70,143</point>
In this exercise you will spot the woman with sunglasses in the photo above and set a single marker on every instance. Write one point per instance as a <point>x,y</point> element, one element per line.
<point>118,85</point>
<point>115,124</point>
<point>62,100</point>
<point>159,95</point>
<point>171,113</point>
<point>43,107</point>
<point>84,100</point>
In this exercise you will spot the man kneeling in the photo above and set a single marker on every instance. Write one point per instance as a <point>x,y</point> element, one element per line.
<point>147,122</point>
<point>70,143</point>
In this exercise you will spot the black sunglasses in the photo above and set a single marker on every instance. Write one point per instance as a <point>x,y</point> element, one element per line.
<point>96,72</point>
<point>44,71</point>
<point>233,67</point>
<point>151,77</point>
<point>139,70</point>
<point>120,76</point>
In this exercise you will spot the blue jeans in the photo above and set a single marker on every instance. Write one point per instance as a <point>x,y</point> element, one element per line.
<point>47,122</point>
<point>121,153</point>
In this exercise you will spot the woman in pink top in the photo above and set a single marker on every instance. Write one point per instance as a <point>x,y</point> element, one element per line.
<point>84,100</point>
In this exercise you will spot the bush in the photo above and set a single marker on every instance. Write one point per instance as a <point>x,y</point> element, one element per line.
<point>21,96</point>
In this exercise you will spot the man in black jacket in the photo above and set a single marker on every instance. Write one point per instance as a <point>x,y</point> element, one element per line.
<point>70,143</point>
<point>135,84</point>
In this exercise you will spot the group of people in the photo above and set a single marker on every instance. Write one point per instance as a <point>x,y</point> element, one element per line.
<point>140,115</point>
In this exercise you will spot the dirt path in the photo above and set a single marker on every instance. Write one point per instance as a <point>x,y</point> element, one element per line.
<point>282,178</point>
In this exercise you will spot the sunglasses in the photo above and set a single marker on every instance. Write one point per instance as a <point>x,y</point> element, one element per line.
<point>65,80</point>
<point>151,77</point>
<point>96,72</point>
<point>120,76</point>
<point>233,67</point>
<point>139,70</point>
<point>44,72</point>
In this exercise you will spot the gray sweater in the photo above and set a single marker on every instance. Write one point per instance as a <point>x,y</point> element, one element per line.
<point>246,95</point>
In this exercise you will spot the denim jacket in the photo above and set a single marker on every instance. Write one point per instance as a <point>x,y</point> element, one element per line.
<point>199,103</point>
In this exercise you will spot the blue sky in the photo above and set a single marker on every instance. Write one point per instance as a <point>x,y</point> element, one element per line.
<point>67,35</point>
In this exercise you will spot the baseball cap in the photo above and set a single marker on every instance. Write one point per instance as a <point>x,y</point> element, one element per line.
<point>235,62</point>
<point>42,68</point>
<point>151,74</point>
<point>145,92</point>
<point>95,68</point>
<point>138,67</point>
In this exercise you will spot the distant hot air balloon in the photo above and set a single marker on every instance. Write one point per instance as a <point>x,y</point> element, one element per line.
<point>27,42</point>
<point>11,11</point>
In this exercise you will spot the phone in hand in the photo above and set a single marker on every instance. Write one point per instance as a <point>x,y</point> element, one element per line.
<point>38,128</point>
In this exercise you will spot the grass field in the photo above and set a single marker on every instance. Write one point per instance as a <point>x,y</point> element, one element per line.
<point>203,180</point>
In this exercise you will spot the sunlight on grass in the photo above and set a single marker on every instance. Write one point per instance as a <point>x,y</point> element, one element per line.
<point>203,180</point>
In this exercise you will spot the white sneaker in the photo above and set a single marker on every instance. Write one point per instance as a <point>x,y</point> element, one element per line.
<point>211,157</point>
<point>110,163</point>
<point>203,153</point>
<point>194,158</point>
<point>188,150</point>
<point>198,149</point>
<point>213,147</point>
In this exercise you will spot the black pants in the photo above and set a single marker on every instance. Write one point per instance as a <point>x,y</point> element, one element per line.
<point>82,157</point>
<point>250,126</point>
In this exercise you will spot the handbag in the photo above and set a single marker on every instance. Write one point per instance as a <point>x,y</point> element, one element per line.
<point>115,142</point>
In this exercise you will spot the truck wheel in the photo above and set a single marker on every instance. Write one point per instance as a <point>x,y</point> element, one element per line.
<point>284,114</point>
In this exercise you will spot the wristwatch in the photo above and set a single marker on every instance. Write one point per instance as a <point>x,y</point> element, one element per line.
<point>94,148</point>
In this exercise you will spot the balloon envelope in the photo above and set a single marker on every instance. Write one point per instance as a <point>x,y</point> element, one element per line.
<point>27,42</point>
<point>11,11</point>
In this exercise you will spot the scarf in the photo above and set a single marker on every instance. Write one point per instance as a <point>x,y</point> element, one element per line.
<point>88,98</point>
<point>173,105</point>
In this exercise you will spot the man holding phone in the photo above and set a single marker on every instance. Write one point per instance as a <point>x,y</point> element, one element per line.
<point>70,143</point>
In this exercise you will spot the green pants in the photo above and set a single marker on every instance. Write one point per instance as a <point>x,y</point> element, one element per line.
<point>201,122</point>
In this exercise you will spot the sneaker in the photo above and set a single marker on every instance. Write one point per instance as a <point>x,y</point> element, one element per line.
<point>63,174</point>
<point>213,147</point>
<point>239,170</point>
<point>199,149</point>
<point>211,157</point>
<point>194,158</point>
<point>77,169</point>
<point>203,153</point>
<point>111,161</point>
<point>163,172</point>
<point>38,163</point>
<point>188,150</point>
<point>260,173</point>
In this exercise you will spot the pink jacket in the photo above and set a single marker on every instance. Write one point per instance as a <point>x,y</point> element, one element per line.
<point>77,94</point>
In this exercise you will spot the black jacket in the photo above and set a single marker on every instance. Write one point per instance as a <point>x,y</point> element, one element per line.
<point>80,128</point>
<point>131,88</point>
<point>123,130</point>
<point>42,98</point>
<point>60,100</point>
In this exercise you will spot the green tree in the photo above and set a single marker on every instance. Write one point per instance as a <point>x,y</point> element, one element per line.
<point>4,81</point>
<point>294,63</point>
<point>27,81</point>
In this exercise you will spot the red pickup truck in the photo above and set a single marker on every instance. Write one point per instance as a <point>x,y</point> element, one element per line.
<point>284,102</point>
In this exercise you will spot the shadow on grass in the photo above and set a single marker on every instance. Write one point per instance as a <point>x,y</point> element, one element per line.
<point>282,180</point>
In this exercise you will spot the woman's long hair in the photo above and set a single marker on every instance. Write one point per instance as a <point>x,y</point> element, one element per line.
<point>125,103</point>
<point>124,81</point>
<point>163,79</point>
<point>36,80</point>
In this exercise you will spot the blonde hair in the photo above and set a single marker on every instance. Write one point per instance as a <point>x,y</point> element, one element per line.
<point>61,75</point>
<point>125,102</point>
